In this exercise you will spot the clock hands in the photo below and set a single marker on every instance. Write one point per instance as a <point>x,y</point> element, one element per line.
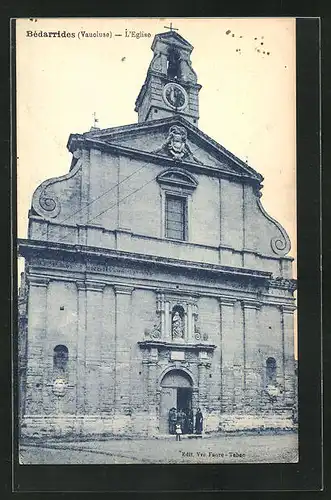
<point>175,96</point>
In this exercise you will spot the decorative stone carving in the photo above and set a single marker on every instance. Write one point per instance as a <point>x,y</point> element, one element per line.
<point>176,141</point>
<point>196,326</point>
<point>60,264</point>
<point>59,387</point>
<point>284,283</point>
<point>197,333</point>
<point>158,63</point>
<point>187,69</point>
<point>280,244</point>
<point>153,333</point>
<point>77,153</point>
<point>44,201</point>
<point>176,145</point>
<point>273,391</point>
<point>50,203</point>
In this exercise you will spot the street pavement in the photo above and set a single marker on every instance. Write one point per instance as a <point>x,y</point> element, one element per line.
<point>252,448</point>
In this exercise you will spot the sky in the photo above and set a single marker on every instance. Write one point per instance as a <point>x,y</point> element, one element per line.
<point>247,102</point>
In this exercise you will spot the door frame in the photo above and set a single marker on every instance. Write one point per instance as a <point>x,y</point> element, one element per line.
<point>194,387</point>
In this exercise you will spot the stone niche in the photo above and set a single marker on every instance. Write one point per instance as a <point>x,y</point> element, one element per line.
<point>176,335</point>
<point>177,319</point>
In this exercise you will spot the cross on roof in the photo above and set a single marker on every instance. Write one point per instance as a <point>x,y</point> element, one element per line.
<point>171,28</point>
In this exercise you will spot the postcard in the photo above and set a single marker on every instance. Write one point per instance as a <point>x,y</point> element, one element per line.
<point>156,178</point>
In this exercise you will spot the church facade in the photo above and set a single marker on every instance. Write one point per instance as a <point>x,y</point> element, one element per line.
<point>155,279</point>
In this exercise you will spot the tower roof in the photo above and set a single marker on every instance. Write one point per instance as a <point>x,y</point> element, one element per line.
<point>171,86</point>
<point>171,37</point>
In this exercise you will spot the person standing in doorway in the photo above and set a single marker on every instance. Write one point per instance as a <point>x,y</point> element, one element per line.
<point>178,430</point>
<point>198,421</point>
<point>182,420</point>
<point>185,429</point>
<point>172,420</point>
<point>190,421</point>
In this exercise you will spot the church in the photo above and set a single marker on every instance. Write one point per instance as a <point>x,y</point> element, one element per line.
<point>154,279</point>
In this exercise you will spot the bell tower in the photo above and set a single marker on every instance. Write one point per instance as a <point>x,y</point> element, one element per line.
<point>171,86</point>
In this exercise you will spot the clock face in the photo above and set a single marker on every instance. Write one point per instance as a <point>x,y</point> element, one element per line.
<point>175,96</point>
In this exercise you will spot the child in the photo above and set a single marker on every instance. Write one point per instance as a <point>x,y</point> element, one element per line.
<point>178,431</point>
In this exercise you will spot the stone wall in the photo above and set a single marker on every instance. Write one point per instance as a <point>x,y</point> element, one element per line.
<point>113,385</point>
<point>107,192</point>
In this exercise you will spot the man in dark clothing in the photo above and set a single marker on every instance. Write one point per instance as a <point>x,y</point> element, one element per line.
<point>198,421</point>
<point>181,418</point>
<point>190,421</point>
<point>172,420</point>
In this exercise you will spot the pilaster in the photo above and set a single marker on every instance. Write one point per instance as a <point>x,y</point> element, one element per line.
<point>203,371</point>
<point>81,339</point>
<point>252,361</point>
<point>94,309</point>
<point>152,391</point>
<point>167,332</point>
<point>123,296</point>
<point>107,386</point>
<point>84,213</point>
<point>287,313</point>
<point>228,346</point>
<point>190,331</point>
<point>37,331</point>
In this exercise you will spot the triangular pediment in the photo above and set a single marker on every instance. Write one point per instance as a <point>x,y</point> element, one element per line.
<point>175,139</point>
<point>177,177</point>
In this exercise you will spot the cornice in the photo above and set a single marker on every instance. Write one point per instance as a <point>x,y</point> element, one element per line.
<point>123,289</point>
<point>35,246</point>
<point>251,304</point>
<point>81,286</point>
<point>287,308</point>
<point>227,300</point>
<point>159,344</point>
<point>283,283</point>
<point>94,286</point>
<point>37,280</point>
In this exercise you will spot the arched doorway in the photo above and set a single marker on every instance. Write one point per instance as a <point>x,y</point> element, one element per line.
<point>176,392</point>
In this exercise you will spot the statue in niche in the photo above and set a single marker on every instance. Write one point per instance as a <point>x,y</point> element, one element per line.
<point>177,326</point>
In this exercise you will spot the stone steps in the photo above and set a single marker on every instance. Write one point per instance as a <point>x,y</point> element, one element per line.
<point>183,436</point>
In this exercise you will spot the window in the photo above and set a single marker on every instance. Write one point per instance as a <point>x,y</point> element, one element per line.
<point>271,370</point>
<point>175,219</point>
<point>60,357</point>
<point>173,64</point>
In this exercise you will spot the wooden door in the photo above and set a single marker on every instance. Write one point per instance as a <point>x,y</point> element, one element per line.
<point>168,400</point>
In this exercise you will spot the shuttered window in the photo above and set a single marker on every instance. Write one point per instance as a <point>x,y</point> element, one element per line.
<point>175,217</point>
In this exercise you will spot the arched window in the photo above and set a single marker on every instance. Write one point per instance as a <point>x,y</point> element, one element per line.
<point>60,357</point>
<point>271,370</point>
<point>177,322</point>
<point>173,64</point>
